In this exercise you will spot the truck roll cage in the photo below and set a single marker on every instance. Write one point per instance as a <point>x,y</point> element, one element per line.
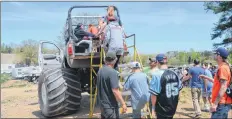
<point>69,19</point>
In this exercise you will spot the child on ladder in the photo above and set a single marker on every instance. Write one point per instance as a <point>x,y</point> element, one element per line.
<point>138,83</point>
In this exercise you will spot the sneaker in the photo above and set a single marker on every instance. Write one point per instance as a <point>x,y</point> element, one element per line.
<point>206,108</point>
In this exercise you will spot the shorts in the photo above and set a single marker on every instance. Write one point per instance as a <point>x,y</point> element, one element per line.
<point>118,51</point>
<point>206,94</point>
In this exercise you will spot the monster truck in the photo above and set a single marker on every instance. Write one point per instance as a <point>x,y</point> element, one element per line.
<point>66,73</point>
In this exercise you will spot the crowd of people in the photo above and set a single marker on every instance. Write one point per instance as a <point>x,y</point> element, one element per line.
<point>161,86</point>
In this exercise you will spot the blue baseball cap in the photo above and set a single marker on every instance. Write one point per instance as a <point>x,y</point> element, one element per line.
<point>160,57</point>
<point>222,52</point>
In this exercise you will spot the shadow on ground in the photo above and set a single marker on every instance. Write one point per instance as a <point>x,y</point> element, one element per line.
<point>188,109</point>
<point>83,112</point>
<point>38,114</point>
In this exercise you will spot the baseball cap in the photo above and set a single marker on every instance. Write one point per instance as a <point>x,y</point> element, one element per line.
<point>152,59</point>
<point>160,57</point>
<point>222,52</point>
<point>111,55</point>
<point>135,65</point>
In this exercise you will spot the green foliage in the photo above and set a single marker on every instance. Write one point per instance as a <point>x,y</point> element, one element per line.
<point>6,48</point>
<point>4,78</point>
<point>179,58</point>
<point>28,50</point>
<point>224,25</point>
<point>230,56</point>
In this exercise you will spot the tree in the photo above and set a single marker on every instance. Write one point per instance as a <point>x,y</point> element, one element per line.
<point>29,51</point>
<point>224,26</point>
<point>230,56</point>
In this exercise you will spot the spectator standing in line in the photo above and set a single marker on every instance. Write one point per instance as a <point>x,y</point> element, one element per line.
<point>221,102</point>
<point>195,85</point>
<point>108,85</point>
<point>164,88</point>
<point>138,83</point>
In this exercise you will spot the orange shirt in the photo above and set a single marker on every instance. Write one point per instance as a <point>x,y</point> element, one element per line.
<point>93,30</point>
<point>222,73</point>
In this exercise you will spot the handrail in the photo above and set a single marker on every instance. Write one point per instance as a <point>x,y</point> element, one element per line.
<point>133,35</point>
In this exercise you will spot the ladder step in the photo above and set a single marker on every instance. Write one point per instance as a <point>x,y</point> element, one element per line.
<point>95,65</point>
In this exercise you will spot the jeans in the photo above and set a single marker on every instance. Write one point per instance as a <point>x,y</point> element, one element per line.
<point>196,94</point>
<point>221,112</point>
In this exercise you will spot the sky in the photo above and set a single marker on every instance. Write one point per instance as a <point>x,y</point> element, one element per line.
<point>159,26</point>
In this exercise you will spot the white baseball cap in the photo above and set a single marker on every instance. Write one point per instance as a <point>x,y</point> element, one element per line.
<point>135,65</point>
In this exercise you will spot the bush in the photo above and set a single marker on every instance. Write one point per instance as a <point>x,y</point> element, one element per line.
<point>4,78</point>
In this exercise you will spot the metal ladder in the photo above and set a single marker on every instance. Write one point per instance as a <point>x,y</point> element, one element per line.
<point>92,66</point>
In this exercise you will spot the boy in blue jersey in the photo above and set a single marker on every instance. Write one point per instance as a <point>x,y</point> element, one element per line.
<point>164,88</point>
<point>138,83</point>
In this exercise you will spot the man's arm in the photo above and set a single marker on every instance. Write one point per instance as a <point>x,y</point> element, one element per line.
<point>207,78</point>
<point>155,88</point>
<point>118,96</point>
<point>153,101</point>
<point>222,73</point>
<point>221,91</point>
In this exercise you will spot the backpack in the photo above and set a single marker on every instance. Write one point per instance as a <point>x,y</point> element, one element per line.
<point>229,88</point>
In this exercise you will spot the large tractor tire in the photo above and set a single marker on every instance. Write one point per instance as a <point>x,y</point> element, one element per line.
<point>59,92</point>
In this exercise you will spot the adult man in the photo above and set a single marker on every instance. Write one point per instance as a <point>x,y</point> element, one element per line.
<point>108,85</point>
<point>164,88</point>
<point>195,85</point>
<point>206,87</point>
<point>221,102</point>
<point>153,66</point>
<point>138,83</point>
<point>80,33</point>
<point>114,40</point>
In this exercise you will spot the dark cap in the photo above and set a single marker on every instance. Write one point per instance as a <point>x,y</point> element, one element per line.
<point>110,56</point>
<point>222,52</point>
<point>161,57</point>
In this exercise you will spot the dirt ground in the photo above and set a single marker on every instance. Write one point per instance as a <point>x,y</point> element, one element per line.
<point>19,100</point>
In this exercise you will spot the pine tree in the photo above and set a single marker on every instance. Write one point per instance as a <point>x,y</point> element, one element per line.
<point>223,28</point>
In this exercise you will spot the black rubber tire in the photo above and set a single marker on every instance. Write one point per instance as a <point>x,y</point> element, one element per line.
<point>63,90</point>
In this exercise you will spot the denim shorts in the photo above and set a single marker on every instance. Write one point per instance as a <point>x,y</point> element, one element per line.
<point>206,94</point>
<point>221,112</point>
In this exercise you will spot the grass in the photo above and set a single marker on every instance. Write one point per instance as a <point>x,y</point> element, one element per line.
<point>4,78</point>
